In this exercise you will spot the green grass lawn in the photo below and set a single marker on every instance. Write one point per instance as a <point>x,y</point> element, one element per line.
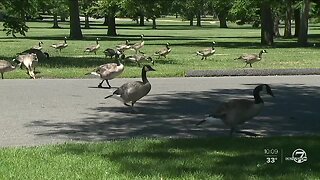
<point>203,158</point>
<point>72,62</point>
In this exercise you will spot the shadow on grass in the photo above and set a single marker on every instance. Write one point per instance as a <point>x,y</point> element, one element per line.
<point>231,158</point>
<point>79,62</point>
<point>294,111</point>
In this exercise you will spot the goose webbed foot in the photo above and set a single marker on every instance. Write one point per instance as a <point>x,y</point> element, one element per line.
<point>100,84</point>
<point>126,104</point>
<point>108,84</point>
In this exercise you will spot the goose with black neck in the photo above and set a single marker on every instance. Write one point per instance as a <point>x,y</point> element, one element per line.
<point>133,91</point>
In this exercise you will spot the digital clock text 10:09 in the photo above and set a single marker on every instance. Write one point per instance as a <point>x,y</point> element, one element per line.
<point>271,151</point>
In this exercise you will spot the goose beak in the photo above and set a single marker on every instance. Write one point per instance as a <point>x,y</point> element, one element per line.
<point>151,69</point>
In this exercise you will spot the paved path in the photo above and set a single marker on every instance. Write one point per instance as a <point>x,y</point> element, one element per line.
<point>35,112</point>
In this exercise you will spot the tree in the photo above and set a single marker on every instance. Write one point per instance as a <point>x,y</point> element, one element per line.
<point>86,10</point>
<point>75,26</point>
<point>15,17</point>
<point>135,9</point>
<point>221,9</point>
<point>154,9</point>
<point>245,11</point>
<point>267,31</point>
<point>288,18</point>
<point>303,31</point>
<point>55,8</point>
<point>109,9</point>
<point>189,10</point>
<point>176,7</point>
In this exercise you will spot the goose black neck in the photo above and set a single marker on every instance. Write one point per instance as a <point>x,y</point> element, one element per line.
<point>260,54</point>
<point>256,95</point>
<point>144,76</point>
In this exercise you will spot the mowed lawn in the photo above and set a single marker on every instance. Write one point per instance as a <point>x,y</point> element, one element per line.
<point>72,62</point>
<point>203,158</point>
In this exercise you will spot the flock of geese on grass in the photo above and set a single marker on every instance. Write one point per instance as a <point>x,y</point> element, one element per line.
<point>30,61</point>
<point>232,113</point>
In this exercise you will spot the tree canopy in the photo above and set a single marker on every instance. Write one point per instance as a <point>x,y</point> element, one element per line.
<point>260,13</point>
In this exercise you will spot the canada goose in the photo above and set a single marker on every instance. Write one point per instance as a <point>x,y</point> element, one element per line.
<point>207,52</point>
<point>39,47</point>
<point>123,47</point>
<point>238,111</point>
<point>164,52</point>
<point>60,45</point>
<point>108,71</point>
<point>133,91</point>
<point>251,58</point>
<point>29,61</point>
<point>111,52</point>
<point>40,55</point>
<point>93,48</point>
<point>6,66</point>
<point>137,46</point>
<point>137,58</point>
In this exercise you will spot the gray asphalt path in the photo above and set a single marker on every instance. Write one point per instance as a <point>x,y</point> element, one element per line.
<point>36,112</point>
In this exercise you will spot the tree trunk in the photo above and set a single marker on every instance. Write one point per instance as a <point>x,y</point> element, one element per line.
<point>296,22</point>
<point>223,20</point>
<point>55,21</point>
<point>154,24</point>
<point>105,20</point>
<point>191,21</point>
<point>276,24</point>
<point>86,21</point>
<point>75,26</point>
<point>141,19</point>
<point>111,25</point>
<point>177,15</point>
<point>199,18</point>
<point>266,24</point>
<point>287,23</point>
<point>303,32</point>
<point>63,18</point>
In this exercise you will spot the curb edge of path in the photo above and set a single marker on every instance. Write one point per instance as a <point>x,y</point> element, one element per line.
<point>252,72</point>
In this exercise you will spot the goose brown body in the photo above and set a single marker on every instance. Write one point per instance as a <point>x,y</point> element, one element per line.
<point>137,58</point>
<point>39,47</point>
<point>238,111</point>
<point>108,71</point>
<point>123,47</point>
<point>134,91</point>
<point>207,52</point>
<point>137,46</point>
<point>164,52</point>
<point>30,61</point>
<point>61,45</point>
<point>5,66</point>
<point>251,58</point>
<point>93,48</point>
